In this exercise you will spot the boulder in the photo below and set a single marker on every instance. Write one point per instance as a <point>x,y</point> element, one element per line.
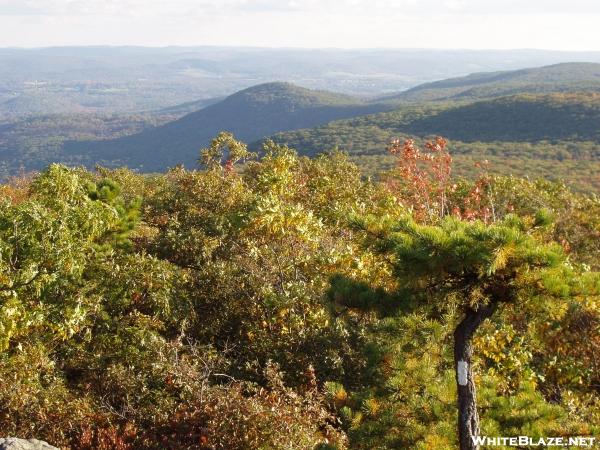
<point>24,444</point>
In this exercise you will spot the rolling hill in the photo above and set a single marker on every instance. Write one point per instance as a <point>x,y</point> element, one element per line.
<point>566,77</point>
<point>552,135</point>
<point>126,80</point>
<point>521,119</point>
<point>250,114</point>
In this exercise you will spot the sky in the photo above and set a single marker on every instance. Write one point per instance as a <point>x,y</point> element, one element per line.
<point>476,24</point>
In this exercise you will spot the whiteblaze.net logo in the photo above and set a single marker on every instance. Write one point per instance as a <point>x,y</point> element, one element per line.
<point>519,441</point>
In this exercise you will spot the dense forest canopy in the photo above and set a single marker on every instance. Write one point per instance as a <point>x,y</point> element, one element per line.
<point>551,135</point>
<point>292,303</point>
<point>399,290</point>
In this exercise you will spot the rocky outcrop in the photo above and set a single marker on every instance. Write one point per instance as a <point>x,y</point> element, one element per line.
<point>24,444</point>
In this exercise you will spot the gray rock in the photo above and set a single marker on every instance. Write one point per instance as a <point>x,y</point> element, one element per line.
<point>24,444</point>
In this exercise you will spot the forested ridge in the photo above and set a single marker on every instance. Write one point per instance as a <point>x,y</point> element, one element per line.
<point>552,135</point>
<point>121,80</point>
<point>540,120</point>
<point>275,301</point>
<point>251,114</point>
<point>156,140</point>
<point>35,142</point>
<point>565,77</point>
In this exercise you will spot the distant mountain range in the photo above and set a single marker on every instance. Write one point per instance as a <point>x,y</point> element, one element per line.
<point>470,111</point>
<point>567,77</point>
<point>555,109</point>
<point>125,80</point>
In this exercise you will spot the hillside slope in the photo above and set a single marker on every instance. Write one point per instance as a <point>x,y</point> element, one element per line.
<point>550,135</point>
<point>525,117</point>
<point>250,114</point>
<point>566,77</point>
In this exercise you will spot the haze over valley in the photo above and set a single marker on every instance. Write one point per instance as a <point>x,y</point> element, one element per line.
<point>135,79</point>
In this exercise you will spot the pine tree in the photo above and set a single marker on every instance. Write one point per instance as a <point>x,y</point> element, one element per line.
<point>471,268</point>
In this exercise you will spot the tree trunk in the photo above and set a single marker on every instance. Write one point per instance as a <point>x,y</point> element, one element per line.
<point>468,419</point>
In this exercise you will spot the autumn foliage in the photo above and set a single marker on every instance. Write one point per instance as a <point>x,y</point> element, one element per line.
<point>263,302</point>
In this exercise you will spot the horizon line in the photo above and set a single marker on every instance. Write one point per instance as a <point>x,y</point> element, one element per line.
<point>329,48</point>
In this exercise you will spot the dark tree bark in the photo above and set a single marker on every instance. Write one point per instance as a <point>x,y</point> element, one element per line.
<point>468,419</point>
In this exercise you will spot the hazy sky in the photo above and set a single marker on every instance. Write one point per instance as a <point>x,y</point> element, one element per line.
<point>549,24</point>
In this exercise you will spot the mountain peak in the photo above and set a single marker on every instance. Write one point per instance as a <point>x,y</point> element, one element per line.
<point>251,114</point>
<point>292,95</point>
